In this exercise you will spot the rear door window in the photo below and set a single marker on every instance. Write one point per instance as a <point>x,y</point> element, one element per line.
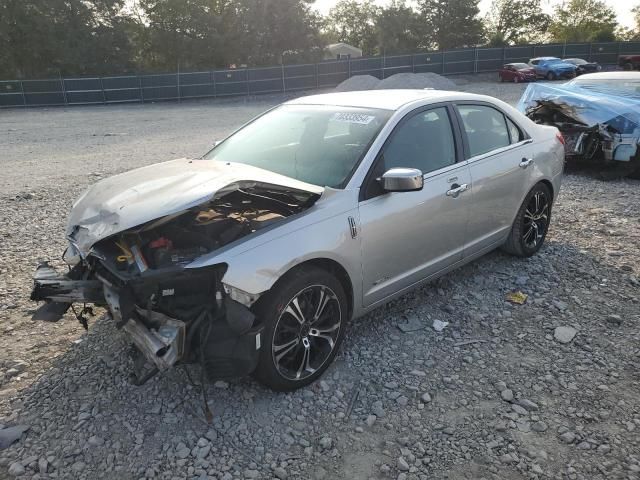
<point>485,127</point>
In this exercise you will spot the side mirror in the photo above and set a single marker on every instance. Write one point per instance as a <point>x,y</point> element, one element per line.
<point>402,180</point>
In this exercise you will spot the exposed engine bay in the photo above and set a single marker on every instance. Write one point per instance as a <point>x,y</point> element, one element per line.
<point>172,313</point>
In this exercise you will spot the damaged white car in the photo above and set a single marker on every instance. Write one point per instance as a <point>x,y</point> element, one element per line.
<point>598,115</point>
<point>254,258</point>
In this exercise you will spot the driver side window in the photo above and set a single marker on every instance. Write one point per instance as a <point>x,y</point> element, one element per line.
<point>423,140</point>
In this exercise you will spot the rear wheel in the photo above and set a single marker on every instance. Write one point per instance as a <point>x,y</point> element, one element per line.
<point>628,66</point>
<point>530,227</point>
<point>305,318</point>
<point>551,76</point>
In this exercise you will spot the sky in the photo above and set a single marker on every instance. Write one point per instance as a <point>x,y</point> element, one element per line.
<point>622,7</point>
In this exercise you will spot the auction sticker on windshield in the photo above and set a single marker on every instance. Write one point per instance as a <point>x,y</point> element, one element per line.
<point>359,118</point>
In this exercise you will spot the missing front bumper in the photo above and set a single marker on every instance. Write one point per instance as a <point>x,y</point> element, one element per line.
<point>199,323</point>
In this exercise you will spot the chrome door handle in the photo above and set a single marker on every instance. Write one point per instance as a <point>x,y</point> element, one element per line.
<point>457,190</point>
<point>526,162</point>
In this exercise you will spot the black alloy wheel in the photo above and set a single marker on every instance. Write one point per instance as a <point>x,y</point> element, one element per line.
<point>306,332</point>
<point>305,317</point>
<point>531,224</point>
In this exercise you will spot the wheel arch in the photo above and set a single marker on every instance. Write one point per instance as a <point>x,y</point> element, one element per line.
<point>337,270</point>
<point>327,264</point>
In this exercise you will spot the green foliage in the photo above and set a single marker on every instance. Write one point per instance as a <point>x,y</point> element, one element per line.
<point>92,37</point>
<point>72,37</point>
<point>512,22</point>
<point>354,22</point>
<point>398,29</point>
<point>583,21</point>
<point>451,23</point>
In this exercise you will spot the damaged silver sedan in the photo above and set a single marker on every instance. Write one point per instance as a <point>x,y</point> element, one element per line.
<point>253,259</point>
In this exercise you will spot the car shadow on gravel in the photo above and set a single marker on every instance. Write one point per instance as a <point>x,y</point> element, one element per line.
<point>427,397</point>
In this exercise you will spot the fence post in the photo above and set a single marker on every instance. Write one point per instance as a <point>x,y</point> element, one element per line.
<point>64,91</point>
<point>178,84</point>
<point>349,66</point>
<point>317,76</point>
<point>140,88</point>
<point>475,60</point>
<point>246,79</point>
<point>534,51</point>
<point>590,51</point>
<point>213,81</point>
<point>284,83</point>
<point>564,49</point>
<point>443,61</point>
<point>104,95</point>
<point>413,63</point>
<point>24,97</point>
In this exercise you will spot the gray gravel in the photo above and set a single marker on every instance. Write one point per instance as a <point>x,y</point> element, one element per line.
<point>494,395</point>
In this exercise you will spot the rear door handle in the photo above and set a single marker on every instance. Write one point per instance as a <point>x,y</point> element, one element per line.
<point>456,190</point>
<point>526,162</point>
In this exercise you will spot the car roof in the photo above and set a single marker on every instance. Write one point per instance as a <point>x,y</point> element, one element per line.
<point>383,99</point>
<point>610,76</point>
<point>545,58</point>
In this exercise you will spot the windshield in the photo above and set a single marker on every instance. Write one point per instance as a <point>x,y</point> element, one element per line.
<point>610,85</point>
<point>316,144</point>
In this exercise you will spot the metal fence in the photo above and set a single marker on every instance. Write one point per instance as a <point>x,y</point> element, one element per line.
<point>286,78</point>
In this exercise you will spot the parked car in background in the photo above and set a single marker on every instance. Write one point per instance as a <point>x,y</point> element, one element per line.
<point>255,257</point>
<point>599,116</point>
<point>517,72</point>
<point>629,62</point>
<point>552,68</point>
<point>582,66</point>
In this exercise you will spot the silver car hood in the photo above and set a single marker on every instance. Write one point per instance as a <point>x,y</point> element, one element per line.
<point>130,199</point>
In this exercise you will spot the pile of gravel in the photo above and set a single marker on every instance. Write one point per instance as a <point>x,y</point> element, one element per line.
<point>400,80</point>
<point>417,81</point>
<point>357,83</point>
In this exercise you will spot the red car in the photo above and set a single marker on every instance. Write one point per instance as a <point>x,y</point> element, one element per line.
<point>517,72</point>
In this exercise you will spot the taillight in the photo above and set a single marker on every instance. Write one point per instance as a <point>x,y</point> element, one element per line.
<point>560,138</point>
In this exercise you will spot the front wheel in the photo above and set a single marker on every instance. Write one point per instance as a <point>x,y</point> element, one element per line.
<point>530,227</point>
<point>305,318</point>
<point>551,76</point>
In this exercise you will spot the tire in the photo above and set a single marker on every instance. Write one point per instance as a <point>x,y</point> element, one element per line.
<point>520,241</point>
<point>551,76</point>
<point>515,80</point>
<point>628,66</point>
<point>306,348</point>
<point>501,78</point>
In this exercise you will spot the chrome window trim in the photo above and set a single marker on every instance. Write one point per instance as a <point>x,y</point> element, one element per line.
<point>499,151</point>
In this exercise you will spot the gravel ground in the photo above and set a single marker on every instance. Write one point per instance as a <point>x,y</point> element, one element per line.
<point>548,389</point>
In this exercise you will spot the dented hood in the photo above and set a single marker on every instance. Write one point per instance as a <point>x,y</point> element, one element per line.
<point>133,198</point>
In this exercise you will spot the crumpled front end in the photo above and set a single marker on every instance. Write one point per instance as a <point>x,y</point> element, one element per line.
<point>600,125</point>
<point>172,313</point>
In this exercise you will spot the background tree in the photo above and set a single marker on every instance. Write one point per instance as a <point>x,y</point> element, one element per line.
<point>399,29</point>
<point>354,22</point>
<point>451,23</point>
<point>510,22</point>
<point>72,37</point>
<point>583,21</point>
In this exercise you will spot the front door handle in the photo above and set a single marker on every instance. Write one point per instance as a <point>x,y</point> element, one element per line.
<point>526,162</point>
<point>456,190</point>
